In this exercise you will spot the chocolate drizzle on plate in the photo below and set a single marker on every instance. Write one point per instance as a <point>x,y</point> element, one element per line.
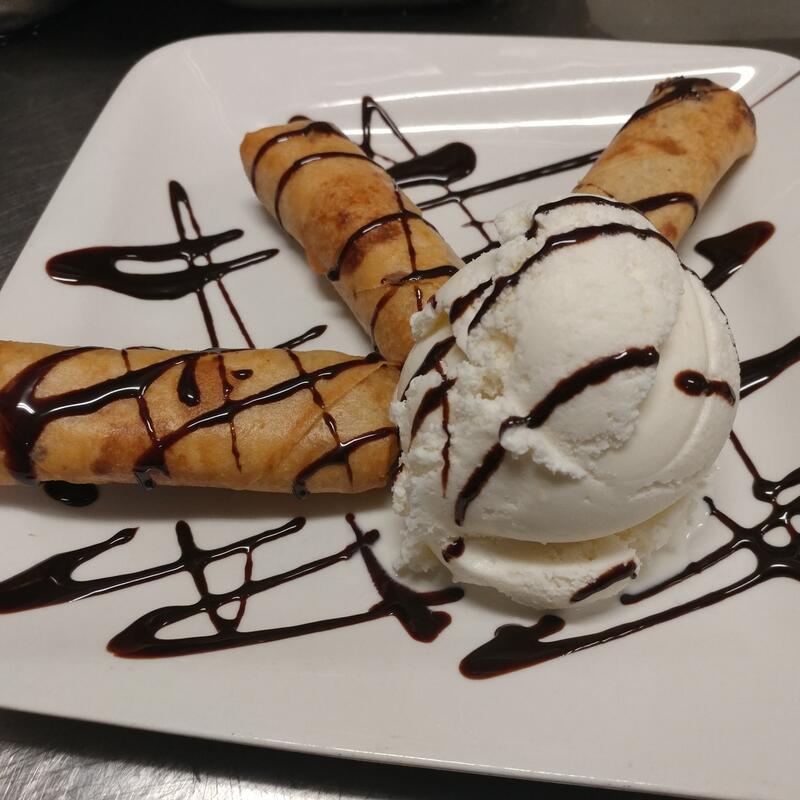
<point>99,266</point>
<point>759,371</point>
<point>461,195</point>
<point>50,583</point>
<point>728,252</point>
<point>303,338</point>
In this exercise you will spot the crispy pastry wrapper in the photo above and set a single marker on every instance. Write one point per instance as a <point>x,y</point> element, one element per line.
<point>276,441</point>
<point>688,135</point>
<point>324,203</point>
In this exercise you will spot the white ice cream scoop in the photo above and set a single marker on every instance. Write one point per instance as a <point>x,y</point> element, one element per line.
<point>567,393</point>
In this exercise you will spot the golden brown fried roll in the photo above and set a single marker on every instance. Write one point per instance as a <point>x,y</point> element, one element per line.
<point>354,223</point>
<point>673,151</point>
<point>266,420</point>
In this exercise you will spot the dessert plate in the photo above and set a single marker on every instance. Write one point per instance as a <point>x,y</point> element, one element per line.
<point>700,704</point>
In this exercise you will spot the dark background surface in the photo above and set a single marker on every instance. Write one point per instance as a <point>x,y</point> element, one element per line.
<point>54,80</point>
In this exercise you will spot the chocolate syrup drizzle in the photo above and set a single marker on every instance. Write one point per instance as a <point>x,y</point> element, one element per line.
<point>729,252</point>
<point>608,578</point>
<point>440,168</point>
<point>461,195</point>
<point>454,550</point>
<point>24,415</point>
<point>77,495</point>
<point>598,371</point>
<point>696,384</point>
<point>448,163</point>
<point>592,374</point>
<point>559,241</point>
<point>759,371</point>
<point>308,336</point>
<point>341,451</point>
<point>99,266</point>
<point>50,583</point>
<point>673,90</point>
<point>654,203</point>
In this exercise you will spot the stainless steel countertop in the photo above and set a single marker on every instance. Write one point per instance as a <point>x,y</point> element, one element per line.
<point>54,80</point>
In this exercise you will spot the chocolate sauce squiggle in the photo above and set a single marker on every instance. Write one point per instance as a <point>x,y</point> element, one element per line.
<point>434,398</point>
<point>730,251</point>
<point>759,371</point>
<point>153,458</point>
<point>98,266</point>
<point>340,452</point>
<point>696,384</point>
<point>50,583</point>
<point>644,206</point>
<point>188,388</point>
<point>432,360</point>
<point>460,305</point>
<point>297,165</point>
<point>557,242</point>
<point>305,131</point>
<point>608,578</point>
<point>492,245</point>
<point>401,217</point>
<point>598,371</point>
<point>654,203</point>
<point>673,90</point>
<point>454,550</point>
<point>566,389</point>
<point>308,336</point>
<point>566,202</point>
<point>459,196</point>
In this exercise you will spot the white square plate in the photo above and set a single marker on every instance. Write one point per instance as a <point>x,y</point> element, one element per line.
<point>703,705</point>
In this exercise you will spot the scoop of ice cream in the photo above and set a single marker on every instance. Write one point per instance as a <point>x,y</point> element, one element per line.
<point>568,387</point>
